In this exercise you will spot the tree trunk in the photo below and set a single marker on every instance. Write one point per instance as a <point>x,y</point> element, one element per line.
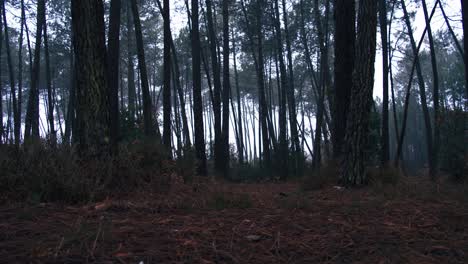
<point>283,149</point>
<point>357,130</point>
<point>150,128</point>
<point>239,104</point>
<point>197,96</point>
<point>384,139</point>
<point>91,75</point>
<point>50,97</point>
<point>217,87</point>
<point>32,114</point>
<point>345,33</point>
<point>422,89</point>
<point>132,111</point>
<point>113,59</point>
<point>433,159</point>
<point>17,121</point>
<point>291,98</point>
<point>226,88</point>
<point>464,4</point>
<point>167,79</point>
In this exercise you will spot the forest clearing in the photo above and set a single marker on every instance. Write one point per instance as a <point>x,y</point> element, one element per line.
<point>234,131</point>
<point>246,223</point>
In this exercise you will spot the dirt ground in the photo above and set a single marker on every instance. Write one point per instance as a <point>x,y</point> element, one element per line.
<point>242,223</point>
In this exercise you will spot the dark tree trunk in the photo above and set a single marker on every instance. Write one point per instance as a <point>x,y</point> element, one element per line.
<point>113,59</point>
<point>167,79</point>
<point>422,89</point>
<point>217,87</point>
<point>17,121</point>
<point>197,96</point>
<point>384,140</point>
<point>464,4</point>
<point>291,98</point>
<point>345,33</point>
<point>357,128</point>
<point>91,75</point>
<point>50,96</point>
<point>32,114</point>
<point>150,128</point>
<point>226,88</point>
<point>433,159</point>
<point>240,146</point>
<point>2,132</point>
<point>283,149</point>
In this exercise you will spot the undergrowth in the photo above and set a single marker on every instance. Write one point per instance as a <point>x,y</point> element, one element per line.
<point>41,173</point>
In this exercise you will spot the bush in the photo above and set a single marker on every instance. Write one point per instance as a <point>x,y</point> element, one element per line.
<point>40,173</point>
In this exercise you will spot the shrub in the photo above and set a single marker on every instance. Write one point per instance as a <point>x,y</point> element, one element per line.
<point>40,173</point>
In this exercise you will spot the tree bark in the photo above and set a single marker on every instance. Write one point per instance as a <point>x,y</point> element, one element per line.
<point>197,96</point>
<point>464,4</point>
<point>226,88</point>
<point>91,76</point>
<point>167,79</point>
<point>345,32</point>
<point>113,60</point>
<point>151,129</point>
<point>357,130</point>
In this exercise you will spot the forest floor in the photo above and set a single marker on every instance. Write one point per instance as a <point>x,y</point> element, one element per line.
<point>245,223</point>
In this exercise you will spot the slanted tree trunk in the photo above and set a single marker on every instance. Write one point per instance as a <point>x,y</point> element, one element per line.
<point>151,129</point>
<point>345,32</point>
<point>91,76</point>
<point>197,96</point>
<point>433,159</point>
<point>291,97</point>
<point>357,129</point>
<point>167,79</point>
<point>113,59</point>
<point>422,89</point>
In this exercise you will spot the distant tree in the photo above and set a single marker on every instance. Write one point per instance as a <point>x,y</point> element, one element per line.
<point>91,75</point>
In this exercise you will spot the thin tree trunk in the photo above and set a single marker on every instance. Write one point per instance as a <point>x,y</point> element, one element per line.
<point>422,89</point>
<point>434,158</point>
<point>197,96</point>
<point>167,78</point>
<point>11,72</point>
<point>150,128</point>
<point>291,97</point>
<point>384,139</point>
<point>50,98</point>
